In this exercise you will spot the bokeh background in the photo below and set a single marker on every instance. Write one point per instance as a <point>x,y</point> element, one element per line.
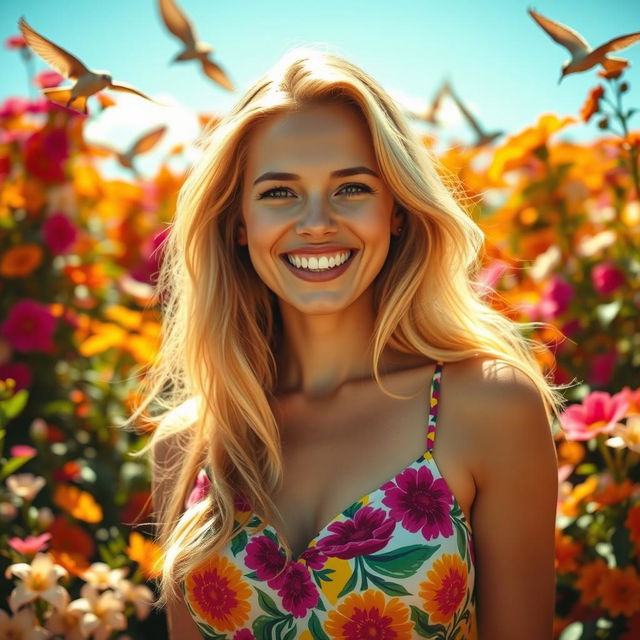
<point>556,191</point>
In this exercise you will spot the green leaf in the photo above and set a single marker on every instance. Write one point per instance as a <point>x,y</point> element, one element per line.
<point>64,407</point>
<point>402,562</point>
<point>351,583</point>
<point>390,588</point>
<point>15,404</point>
<point>12,465</point>
<point>315,628</point>
<point>239,542</point>
<point>268,605</point>
<point>422,626</point>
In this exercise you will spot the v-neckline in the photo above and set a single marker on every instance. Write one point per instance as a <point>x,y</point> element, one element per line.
<point>295,557</point>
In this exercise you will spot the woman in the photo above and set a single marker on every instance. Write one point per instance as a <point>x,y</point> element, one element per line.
<point>321,320</point>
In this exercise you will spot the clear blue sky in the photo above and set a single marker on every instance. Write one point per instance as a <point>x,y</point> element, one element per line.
<point>498,59</point>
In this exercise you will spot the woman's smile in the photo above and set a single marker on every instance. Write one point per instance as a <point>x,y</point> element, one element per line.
<point>319,268</point>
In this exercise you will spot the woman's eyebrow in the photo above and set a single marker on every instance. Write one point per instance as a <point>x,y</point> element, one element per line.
<point>339,173</point>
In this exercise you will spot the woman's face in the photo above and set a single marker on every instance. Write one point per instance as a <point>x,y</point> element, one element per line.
<point>313,191</point>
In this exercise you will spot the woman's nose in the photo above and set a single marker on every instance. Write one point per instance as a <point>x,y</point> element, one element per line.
<point>317,217</point>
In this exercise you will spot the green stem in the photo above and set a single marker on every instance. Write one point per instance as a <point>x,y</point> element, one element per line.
<point>606,454</point>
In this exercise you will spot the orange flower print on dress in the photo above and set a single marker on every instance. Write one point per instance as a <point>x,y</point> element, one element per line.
<point>369,615</point>
<point>218,594</point>
<point>446,588</point>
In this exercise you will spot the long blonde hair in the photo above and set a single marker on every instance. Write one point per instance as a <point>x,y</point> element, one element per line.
<point>216,371</point>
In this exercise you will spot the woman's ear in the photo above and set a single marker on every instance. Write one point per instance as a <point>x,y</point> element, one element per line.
<point>398,218</point>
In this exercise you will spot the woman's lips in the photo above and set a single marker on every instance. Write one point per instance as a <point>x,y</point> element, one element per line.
<point>319,276</point>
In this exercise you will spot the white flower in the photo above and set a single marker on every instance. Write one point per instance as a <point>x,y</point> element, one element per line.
<point>70,622</point>
<point>21,626</point>
<point>102,576</point>
<point>139,594</point>
<point>25,485</point>
<point>104,608</point>
<point>38,580</point>
<point>626,435</point>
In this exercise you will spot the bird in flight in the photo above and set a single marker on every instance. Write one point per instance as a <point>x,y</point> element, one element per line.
<point>178,24</point>
<point>142,144</point>
<point>583,57</point>
<point>86,81</point>
<point>429,115</point>
<point>482,136</point>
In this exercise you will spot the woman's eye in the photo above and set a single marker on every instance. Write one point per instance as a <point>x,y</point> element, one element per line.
<point>360,188</point>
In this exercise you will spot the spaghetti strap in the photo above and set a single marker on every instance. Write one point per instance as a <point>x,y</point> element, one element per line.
<point>434,397</point>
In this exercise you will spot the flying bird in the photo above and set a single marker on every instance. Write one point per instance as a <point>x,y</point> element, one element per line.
<point>144,143</point>
<point>482,136</point>
<point>181,27</point>
<point>429,115</point>
<point>583,57</point>
<point>86,82</point>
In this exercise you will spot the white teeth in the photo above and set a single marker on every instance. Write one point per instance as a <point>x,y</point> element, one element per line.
<point>322,263</point>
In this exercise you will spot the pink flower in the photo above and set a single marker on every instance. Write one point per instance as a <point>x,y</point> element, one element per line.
<point>200,489</point>
<point>45,153</point>
<point>264,556</point>
<point>30,545</point>
<point>15,42</point>
<point>29,326</point>
<point>243,634</point>
<point>556,296</point>
<point>298,592</point>
<point>606,278</point>
<point>46,79</point>
<point>21,450</point>
<point>366,532</point>
<point>13,106</point>
<point>421,502</point>
<point>19,371</point>
<point>598,413</point>
<point>59,233</point>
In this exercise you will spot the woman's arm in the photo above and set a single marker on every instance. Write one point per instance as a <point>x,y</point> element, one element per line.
<point>180,623</point>
<point>514,513</point>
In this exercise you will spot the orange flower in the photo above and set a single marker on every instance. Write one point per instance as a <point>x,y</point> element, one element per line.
<point>570,452</point>
<point>369,614</point>
<point>21,261</point>
<point>446,588</point>
<point>614,493</point>
<point>589,580</point>
<point>106,335</point>
<point>633,523</point>
<point>80,504</point>
<point>592,103</point>
<point>581,492</point>
<point>218,595</point>
<point>620,591</point>
<point>71,546</point>
<point>567,553</point>
<point>146,553</point>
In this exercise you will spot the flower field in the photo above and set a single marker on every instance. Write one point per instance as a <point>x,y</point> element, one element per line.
<point>78,257</point>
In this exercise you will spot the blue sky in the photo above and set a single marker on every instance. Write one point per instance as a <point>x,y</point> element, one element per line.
<point>503,66</point>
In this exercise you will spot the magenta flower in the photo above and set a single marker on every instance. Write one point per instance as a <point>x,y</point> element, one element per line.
<point>313,557</point>
<point>556,296</point>
<point>420,502</point>
<point>367,532</point>
<point>45,154</point>
<point>295,588</point>
<point>606,278</point>
<point>243,634</point>
<point>48,78</point>
<point>59,233</point>
<point>15,42</point>
<point>29,326</point>
<point>601,368</point>
<point>18,371</point>
<point>200,489</point>
<point>13,106</point>
<point>30,545</point>
<point>264,556</point>
<point>598,413</point>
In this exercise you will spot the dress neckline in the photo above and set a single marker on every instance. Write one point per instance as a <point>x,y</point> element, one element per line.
<point>434,396</point>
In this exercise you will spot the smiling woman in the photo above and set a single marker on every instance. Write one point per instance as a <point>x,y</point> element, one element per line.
<point>316,261</point>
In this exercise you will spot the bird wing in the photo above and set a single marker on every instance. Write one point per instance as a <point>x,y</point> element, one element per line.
<point>60,59</point>
<point>128,88</point>
<point>147,141</point>
<point>562,34</point>
<point>216,73</point>
<point>616,44</point>
<point>466,113</point>
<point>177,22</point>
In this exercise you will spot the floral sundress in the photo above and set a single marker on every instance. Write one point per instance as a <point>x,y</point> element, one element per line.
<point>397,564</point>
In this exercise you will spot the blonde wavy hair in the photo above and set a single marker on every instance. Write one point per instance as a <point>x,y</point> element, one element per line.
<point>216,371</point>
